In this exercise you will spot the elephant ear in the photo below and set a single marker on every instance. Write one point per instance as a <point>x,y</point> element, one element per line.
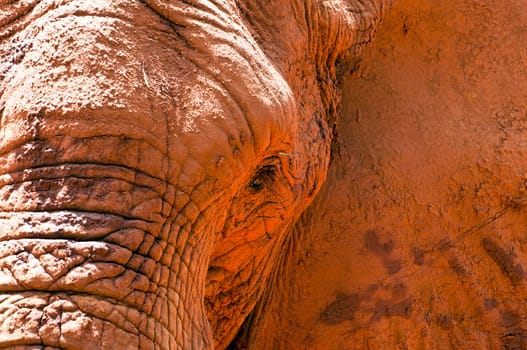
<point>345,26</point>
<point>338,30</point>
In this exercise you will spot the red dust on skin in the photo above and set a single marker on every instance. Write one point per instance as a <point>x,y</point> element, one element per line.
<point>152,156</point>
<point>430,171</point>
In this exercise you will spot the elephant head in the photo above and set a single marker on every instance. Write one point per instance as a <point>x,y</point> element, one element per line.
<point>153,154</point>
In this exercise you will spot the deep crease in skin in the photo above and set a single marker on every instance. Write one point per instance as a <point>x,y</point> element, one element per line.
<point>128,222</point>
<point>19,150</point>
<point>38,140</point>
<point>21,180</point>
<point>74,209</point>
<point>102,178</point>
<point>208,15</point>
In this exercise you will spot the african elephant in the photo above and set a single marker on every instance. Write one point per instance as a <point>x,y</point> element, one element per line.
<point>153,154</point>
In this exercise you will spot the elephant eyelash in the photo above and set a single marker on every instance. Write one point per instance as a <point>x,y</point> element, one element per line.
<point>263,176</point>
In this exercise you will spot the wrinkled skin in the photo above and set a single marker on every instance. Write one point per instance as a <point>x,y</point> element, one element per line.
<point>152,155</point>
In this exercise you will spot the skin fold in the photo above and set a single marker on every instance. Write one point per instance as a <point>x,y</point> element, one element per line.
<point>152,156</point>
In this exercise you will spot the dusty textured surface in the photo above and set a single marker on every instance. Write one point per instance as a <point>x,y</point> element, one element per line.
<point>418,239</point>
<point>153,155</point>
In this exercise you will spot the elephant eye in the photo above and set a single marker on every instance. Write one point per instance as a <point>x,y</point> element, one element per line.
<point>263,176</point>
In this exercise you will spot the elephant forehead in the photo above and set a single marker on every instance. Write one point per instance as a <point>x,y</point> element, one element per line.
<point>118,68</point>
<point>224,49</point>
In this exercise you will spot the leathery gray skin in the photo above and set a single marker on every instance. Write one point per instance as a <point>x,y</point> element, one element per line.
<point>152,155</point>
